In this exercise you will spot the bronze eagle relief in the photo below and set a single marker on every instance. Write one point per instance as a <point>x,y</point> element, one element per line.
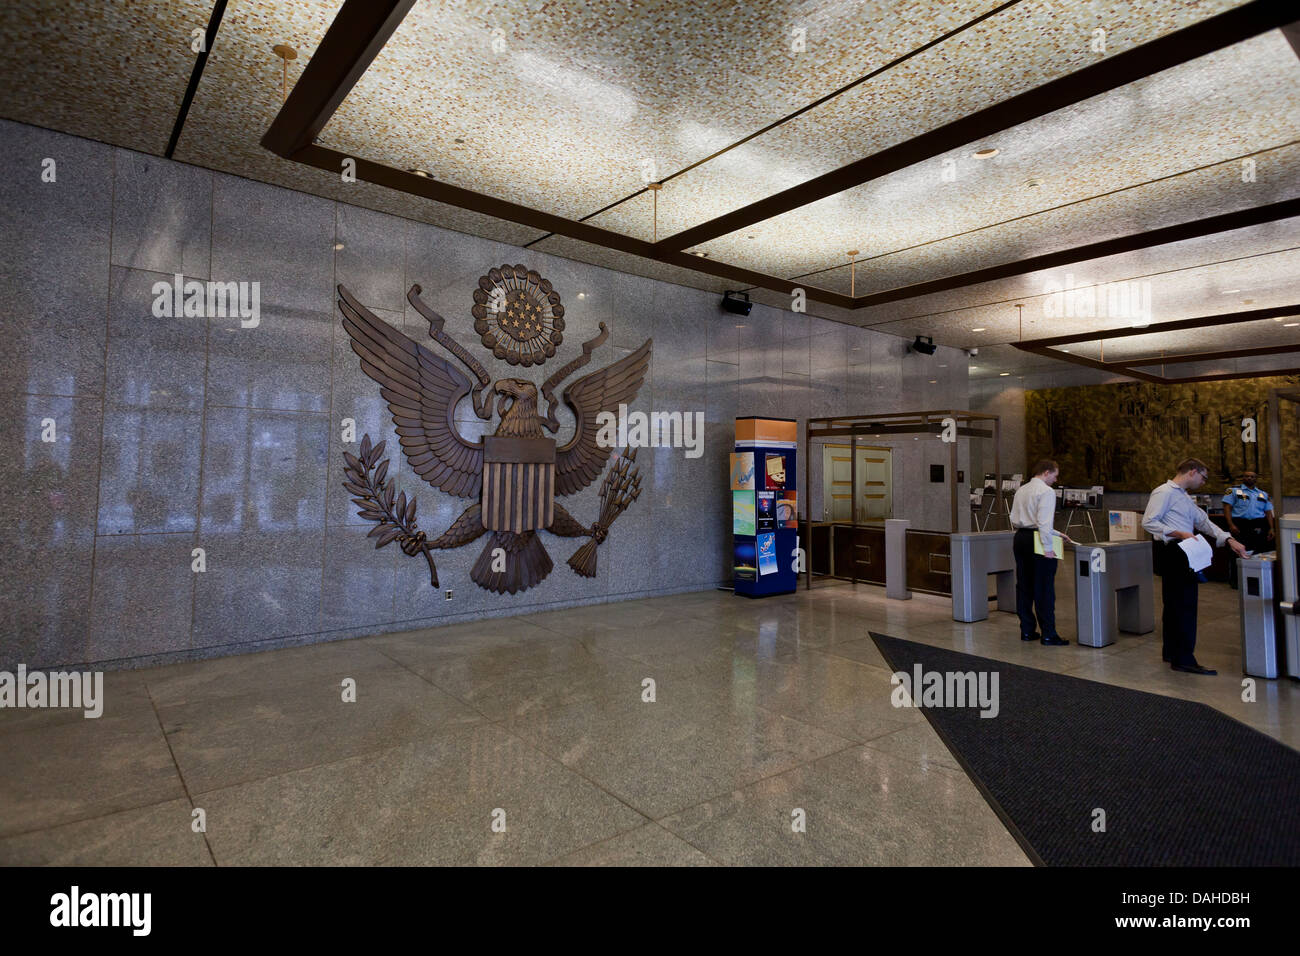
<point>513,476</point>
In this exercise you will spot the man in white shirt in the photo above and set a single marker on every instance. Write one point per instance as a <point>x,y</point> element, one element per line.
<point>1171,517</point>
<point>1032,510</point>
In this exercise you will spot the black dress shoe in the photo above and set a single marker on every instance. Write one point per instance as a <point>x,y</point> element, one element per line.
<point>1054,641</point>
<point>1031,637</point>
<point>1194,669</point>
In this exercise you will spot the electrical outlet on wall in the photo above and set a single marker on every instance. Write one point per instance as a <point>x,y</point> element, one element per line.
<point>449,594</point>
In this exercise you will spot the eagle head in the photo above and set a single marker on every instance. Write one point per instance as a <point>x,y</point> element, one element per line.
<point>517,407</point>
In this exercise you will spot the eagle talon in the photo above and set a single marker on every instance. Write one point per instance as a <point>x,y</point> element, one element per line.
<point>414,544</point>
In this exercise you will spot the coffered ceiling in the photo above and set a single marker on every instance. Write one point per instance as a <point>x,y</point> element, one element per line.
<point>1170,131</point>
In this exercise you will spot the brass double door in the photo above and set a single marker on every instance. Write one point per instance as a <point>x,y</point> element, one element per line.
<point>874,494</point>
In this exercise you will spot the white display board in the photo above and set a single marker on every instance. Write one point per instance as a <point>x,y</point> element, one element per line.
<point>1124,525</point>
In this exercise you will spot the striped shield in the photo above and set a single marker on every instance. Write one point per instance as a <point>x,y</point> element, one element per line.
<point>518,484</point>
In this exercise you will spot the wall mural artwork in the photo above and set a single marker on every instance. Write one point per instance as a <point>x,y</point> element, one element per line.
<point>1128,436</point>
<point>514,475</point>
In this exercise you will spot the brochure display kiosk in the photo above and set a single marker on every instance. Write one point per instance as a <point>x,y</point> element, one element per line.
<point>764,506</point>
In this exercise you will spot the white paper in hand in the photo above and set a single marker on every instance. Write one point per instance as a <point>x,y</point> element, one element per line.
<point>1198,551</point>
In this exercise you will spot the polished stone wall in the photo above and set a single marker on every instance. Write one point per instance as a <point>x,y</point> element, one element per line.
<point>172,434</point>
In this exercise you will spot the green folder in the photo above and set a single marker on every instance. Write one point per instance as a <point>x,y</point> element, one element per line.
<point>1058,546</point>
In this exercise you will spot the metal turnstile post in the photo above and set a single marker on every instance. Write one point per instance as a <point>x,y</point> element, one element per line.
<point>1288,552</point>
<point>976,555</point>
<point>1113,591</point>
<point>1259,631</point>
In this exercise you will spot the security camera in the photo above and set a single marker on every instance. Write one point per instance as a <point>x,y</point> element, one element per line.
<point>972,352</point>
<point>737,302</point>
<point>923,344</point>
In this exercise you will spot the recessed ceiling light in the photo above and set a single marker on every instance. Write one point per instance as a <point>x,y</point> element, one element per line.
<point>1229,291</point>
<point>422,173</point>
<point>1033,183</point>
<point>702,255</point>
<point>1065,350</point>
<point>1290,325</point>
<point>582,295</point>
<point>740,326</point>
<point>934,381</point>
<point>988,152</point>
<point>978,330</point>
<point>338,247</point>
<point>943,366</point>
<point>1004,374</point>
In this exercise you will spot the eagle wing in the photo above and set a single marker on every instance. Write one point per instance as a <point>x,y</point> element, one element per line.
<point>581,460</point>
<point>422,391</point>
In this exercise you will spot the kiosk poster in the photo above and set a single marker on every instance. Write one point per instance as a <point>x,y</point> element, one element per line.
<point>787,511</point>
<point>745,563</point>
<point>742,471</point>
<point>766,519</point>
<point>742,512</point>
<point>767,553</point>
<point>775,472</point>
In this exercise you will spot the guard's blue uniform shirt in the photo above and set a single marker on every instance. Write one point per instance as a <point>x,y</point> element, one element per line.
<point>1248,502</point>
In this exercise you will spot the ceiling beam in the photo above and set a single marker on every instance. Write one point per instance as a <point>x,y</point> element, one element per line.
<point>1173,49</point>
<point>349,46</point>
<point>196,74</point>
<point>1292,33</point>
<point>377,173</point>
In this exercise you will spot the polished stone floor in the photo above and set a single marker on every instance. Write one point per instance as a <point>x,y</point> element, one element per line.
<point>529,741</point>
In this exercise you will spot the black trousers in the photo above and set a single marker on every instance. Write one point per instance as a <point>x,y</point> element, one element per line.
<point>1035,586</point>
<point>1178,586</point>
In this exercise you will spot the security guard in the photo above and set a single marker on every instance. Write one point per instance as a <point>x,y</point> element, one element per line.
<point>1249,514</point>
<point>1172,516</point>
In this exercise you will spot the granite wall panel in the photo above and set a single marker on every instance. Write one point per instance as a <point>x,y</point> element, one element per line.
<point>224,432</point>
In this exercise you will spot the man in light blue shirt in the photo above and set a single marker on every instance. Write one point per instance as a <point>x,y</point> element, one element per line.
<point>1171,517</point>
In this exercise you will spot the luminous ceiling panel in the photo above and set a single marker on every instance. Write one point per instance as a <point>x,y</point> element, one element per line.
<point>113,72</point>
<point>1201,194</point>
<point>1265,281</point>
<point>561,105</point>
<point>1027,45</point>
<point>1212,110</point>
<point>1243,335</point>
<point>985,304</point>
<point>242,91</point>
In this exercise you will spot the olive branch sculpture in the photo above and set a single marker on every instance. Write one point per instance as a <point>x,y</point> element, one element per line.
<point>620,488</point>
<point>378,501</point>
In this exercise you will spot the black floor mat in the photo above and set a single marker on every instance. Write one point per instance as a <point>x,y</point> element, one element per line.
<point>1181,783</point>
